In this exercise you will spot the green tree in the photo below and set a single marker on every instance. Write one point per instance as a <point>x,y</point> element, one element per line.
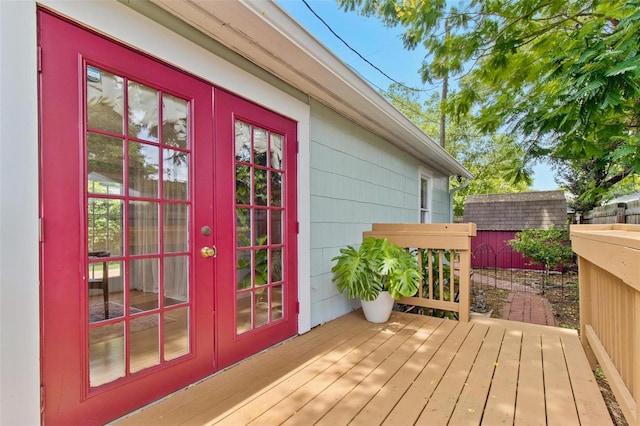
<point>493,159</point>
<point>546,247</point>
<point>562,76</point>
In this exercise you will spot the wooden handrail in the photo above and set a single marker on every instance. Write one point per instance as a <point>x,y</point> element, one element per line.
<point>609,268</point>
<point>434,242</point>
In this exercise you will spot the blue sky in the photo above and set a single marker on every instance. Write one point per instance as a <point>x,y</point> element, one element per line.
<point>380,45</point>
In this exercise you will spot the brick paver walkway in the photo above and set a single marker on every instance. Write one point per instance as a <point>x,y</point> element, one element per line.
<point>522,304</point>
<point>528,307</point>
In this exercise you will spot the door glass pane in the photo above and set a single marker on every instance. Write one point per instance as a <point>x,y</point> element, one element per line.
<point>143,227</point>
<point>276,265</point>
<point>105,232</point>
<point>276,189</point>
<point>106,353</point>
<point>276,151</point>
<point>276,302</point>
<point>144,276</point>
<point>105,299</point>
<point>176,228</point>
<point>260,226</point>
<point>176,333</point>
<point>260,146</point>
<point>176,280</point>
<point>243,227</point>
<point>104,164</point>
<point>144,342</point>
<point>105,100</point>
<point>243,184</point>
<point>243,312</point>
<point>260,187</point>
<point>243,141</point>
<point>175,174</point>
<point>262,307</point>
<point>143,170</point>
<point>243,270</point>
<point>276,227</point>
<point>174,121</point>
<point>143,112</point>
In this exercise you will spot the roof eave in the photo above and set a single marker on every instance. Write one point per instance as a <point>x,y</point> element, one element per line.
<point>266,35</point>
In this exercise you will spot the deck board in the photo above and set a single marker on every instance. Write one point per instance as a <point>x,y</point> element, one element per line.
<point>411,370</point>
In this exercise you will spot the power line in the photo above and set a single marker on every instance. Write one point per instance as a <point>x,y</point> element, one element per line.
<point>358,53</point>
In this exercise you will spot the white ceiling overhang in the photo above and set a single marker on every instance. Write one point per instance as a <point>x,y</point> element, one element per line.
<point>267,36</point>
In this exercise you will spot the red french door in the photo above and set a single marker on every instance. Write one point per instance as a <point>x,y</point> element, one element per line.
<point>168,227</point>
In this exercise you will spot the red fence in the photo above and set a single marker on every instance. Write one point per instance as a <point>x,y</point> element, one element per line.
<point>490,249</point>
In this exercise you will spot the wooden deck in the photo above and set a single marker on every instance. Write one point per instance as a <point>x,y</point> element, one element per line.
<point>413,369</point>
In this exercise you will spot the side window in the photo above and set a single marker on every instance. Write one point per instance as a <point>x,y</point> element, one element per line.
<point>425,196</point>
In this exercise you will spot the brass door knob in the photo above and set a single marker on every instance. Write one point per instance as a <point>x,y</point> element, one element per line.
<point>208,251</point>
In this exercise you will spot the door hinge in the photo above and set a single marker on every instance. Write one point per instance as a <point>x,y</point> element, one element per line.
<point>297,307</point>
<point>40,229</point>
<point>297,147</point>
<point>297,227</point>
<point>41,399</point>
<point>39,58</point>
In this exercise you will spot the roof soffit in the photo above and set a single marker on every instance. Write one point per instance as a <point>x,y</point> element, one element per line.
<point>264,34</point>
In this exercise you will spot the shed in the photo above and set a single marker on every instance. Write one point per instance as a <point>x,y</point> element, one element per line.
<point>498,218</point>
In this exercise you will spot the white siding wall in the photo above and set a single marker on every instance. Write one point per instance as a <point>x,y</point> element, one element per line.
<point>356,179</point>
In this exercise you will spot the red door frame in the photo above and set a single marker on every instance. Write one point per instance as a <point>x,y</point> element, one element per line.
<point>66,49</point>
<point>67,400</point>
<point>232,347</point>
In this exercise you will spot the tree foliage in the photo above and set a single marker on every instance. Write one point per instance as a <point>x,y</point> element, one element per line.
<point>547,247</point>
<point>562,76</point>
<point>492,158</point>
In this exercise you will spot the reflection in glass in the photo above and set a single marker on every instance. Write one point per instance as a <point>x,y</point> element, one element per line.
<point>243,312</point>
<point>176,280</point>
<point>106,354</point>
<point>262,307</point>
<point>276,265</point>
<point>143,170</point>
<point>243,184</point>
<point>243,141</point>
<point>276,303</point>
<point>104,225</point>
<point>175,174</point>
<point>260,225</point>
<point>176,225</point>
<point>144,342</point>
<point>261,265</point>
<point>105,100</point>
<point>260,187</point>
<point>143,227</point>
<point>259,146</point>
<point>276,189</point>
<point>143,285</point>
<point>243,269</point>
<point>104,277</point>
<point>105,157</point>
<point>276,227</point>
<point>243,227</point>
<point>176,333</point>
<point>143,112</point>
<point>174,121</point>
<point>276,151</point>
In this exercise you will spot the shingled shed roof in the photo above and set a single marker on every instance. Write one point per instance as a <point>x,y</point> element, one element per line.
<point>514,212</point>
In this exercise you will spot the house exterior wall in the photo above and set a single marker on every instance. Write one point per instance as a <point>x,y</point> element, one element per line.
<point>347,178</point>
<point>356,179</point>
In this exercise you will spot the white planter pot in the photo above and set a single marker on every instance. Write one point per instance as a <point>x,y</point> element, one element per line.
<point>378,310</point>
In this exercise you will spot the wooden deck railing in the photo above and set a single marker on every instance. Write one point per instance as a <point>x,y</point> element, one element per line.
<point>609,268</point>
<point>444,254</point>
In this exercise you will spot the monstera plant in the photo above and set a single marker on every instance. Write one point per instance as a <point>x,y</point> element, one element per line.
<point>377,273</point>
